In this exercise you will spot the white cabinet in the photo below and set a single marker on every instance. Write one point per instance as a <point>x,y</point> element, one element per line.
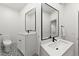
<point>59,48</point>
<point>21,44</point>
<point>43,52</point>
<point>27,43</point>
<point>69,52</point>
<point>31,44</point>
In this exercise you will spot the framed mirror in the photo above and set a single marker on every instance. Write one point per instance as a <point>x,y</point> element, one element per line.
<point>30,20</point>
<point>50,21</point>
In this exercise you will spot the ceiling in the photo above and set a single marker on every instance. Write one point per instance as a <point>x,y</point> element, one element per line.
<point>15,6</point>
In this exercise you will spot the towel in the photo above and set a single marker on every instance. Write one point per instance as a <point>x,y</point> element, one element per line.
<point>62,31</point>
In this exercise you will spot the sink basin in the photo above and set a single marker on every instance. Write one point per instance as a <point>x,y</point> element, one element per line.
<point>57,48</point>
<point>59,45</point>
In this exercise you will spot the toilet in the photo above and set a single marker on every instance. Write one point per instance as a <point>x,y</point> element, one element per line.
<point>6,44</point>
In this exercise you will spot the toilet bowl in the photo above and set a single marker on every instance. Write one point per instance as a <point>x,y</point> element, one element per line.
<point>6,44</point>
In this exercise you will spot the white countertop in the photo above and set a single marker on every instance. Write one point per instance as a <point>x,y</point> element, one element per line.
<point>24,34</point>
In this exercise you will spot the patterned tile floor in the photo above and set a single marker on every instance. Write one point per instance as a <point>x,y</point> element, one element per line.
<point>11,53</point>
<point>14,51</point>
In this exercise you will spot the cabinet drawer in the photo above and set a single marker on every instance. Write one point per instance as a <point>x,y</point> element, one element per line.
<point>21,44</point>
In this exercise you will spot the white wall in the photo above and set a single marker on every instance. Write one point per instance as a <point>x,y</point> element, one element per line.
<point>9,22</point>
<point>70,21</point>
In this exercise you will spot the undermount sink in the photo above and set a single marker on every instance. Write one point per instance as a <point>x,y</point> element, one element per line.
<point>57,48</point>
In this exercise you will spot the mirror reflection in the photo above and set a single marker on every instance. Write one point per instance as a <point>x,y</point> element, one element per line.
<point>30,20</point>
<point>49,21</point>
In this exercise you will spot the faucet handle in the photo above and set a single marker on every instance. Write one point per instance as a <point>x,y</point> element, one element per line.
<point>54,39</point>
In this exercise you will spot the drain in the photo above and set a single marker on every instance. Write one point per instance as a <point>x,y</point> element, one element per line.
<point>56,48</point>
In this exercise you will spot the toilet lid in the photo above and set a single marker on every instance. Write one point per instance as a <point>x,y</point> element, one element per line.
<point>7,42</point>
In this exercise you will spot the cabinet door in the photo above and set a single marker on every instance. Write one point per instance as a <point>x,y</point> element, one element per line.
<point>30,46</point>
<point>27,46</point>
<point>70,51</point>
<point>21,43</point>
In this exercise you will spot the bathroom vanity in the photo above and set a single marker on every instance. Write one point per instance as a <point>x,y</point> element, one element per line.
<point>51,45</point>
<point>27,43</point>
<point>59,48</point>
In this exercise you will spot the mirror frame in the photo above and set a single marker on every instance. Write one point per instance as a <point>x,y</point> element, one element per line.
<point>42,22</point>
<point>25,20</point>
